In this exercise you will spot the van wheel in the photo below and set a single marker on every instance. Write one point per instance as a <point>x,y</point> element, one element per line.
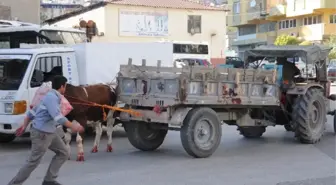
<point>7,138</point>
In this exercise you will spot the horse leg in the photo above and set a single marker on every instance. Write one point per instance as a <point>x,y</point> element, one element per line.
<point>109,131</point>
<point>99,131</point>
<point>67,140</point>
<point>80,147</point>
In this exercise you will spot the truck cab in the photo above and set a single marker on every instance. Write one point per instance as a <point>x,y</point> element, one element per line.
<point>22,71</point>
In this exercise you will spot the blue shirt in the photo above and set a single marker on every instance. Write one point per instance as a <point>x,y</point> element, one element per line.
<point>47,115</point>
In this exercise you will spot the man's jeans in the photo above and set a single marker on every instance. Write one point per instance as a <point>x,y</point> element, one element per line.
<point>41,141</point>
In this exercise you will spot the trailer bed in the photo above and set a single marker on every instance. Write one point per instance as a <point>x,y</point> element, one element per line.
<point>148,86</point>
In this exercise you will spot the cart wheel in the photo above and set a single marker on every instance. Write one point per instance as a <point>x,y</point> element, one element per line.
<point>201,132</point>
<point>143,137</point>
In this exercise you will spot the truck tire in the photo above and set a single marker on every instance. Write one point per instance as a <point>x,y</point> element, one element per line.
<point>143,137</point>
<point>252,132</point>
<point>201,132</point>
<point>308,126</point>
<point>7,138</point>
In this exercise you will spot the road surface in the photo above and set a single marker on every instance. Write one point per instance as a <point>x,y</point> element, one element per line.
<point>276,159</point>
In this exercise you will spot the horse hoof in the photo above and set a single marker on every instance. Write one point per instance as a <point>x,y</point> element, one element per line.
<point>94,149</point>
<point>109,148</point>
<point>80,157</point>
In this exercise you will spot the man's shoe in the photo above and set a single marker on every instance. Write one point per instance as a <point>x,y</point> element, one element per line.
<point>50,183</point>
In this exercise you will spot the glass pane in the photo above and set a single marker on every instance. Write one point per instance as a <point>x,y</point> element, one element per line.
<point>68,38</point>
<point>310,20</point>
<point>54,36</point>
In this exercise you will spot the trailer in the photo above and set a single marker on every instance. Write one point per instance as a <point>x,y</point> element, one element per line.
<point>197,100</point>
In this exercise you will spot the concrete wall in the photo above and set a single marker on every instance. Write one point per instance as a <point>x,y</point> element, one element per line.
<point>107,20</point>
<point>97,15</point>
<point>213,22</point>
<point>24,10</point>
<point>5,12</point>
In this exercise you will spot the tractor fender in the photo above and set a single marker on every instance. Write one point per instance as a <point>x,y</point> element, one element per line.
<point>302,89</point>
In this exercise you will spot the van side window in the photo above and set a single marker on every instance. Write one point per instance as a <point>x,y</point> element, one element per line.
<point>45,69</point>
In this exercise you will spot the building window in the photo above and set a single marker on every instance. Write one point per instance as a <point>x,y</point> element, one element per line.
<point>236,8</point>
<point>312,20</point>
<point>247,30</point>
<point>262,28</point>
<point>194,24</point>
<point>291,23</point>
<point>333,19</point>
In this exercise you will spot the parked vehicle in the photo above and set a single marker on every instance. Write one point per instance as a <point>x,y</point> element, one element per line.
<point>189,49</point>
<point>14,33</point>
<point>197,100</point>
<point>191,62</point>
<point>332,70</point>
<point>235,61</point>
<point>261,63</point>
<point>22,71</point>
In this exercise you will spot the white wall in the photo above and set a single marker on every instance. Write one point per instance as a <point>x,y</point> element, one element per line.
<point>212,22</point>
<point>97,15</point>
<point>24,10</point>
<point>107,19</point>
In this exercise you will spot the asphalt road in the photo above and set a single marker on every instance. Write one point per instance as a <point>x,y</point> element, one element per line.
<point>276,159</point>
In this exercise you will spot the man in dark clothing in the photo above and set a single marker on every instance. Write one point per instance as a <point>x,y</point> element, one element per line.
<point>45,117</point>
<point>289,70</point>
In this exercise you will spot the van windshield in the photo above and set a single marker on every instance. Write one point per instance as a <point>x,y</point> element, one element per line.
<point>12,70</point>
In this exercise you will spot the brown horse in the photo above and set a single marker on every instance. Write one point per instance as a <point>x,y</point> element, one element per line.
<point>79,97</point>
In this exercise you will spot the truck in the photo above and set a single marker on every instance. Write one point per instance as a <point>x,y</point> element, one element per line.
<point>197,100</point>
<point>22,71</point>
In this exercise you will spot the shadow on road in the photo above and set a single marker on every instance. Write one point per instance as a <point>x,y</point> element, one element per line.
<point>24,142</point>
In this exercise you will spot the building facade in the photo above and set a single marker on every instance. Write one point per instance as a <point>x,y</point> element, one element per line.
<point>23,10</point>
<point>50,10</point>
<point>259,22</point>
<point>153,20</point>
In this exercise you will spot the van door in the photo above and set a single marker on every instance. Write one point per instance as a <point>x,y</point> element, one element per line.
<point>45,65</point>
<point>70,70</point>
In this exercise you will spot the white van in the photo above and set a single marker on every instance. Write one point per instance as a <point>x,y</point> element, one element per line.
<point>22,71</point>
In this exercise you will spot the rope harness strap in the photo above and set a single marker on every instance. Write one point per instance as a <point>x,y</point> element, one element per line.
<point>92,104</point>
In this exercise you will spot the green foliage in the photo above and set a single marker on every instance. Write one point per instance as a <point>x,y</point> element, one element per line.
<point>332,43</point>
<point>306,43</point>
<point>332,54</point>
<point>283,40</point>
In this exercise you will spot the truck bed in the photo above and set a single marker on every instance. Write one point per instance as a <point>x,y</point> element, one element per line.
<point>148,86</point>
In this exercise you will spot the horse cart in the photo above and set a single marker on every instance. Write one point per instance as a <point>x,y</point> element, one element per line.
<point>196,100</point>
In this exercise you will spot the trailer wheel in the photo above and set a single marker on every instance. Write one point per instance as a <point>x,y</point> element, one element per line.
<point>7,138</point>
<point>201,132</point>
<point>252,132</point>
<point>310,116</point>
<point>143,137</point>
